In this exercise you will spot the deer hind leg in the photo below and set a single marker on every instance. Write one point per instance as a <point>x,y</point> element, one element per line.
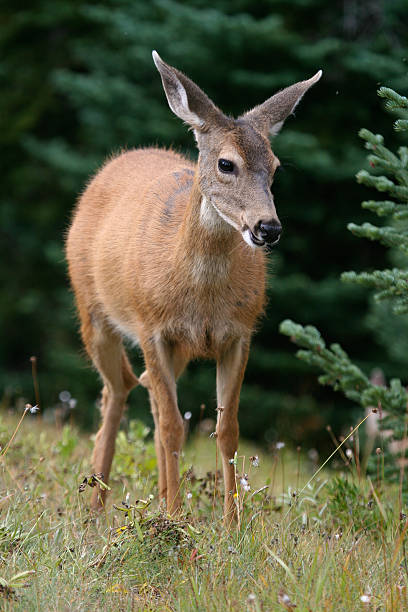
<point>230,373</point>
<point>164,364</point>
<point>106,350</point>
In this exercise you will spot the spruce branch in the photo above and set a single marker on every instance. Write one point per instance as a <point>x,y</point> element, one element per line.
<point>342,374</point>
<point>388,236</point>
<point>391,283</point>
<point>394,100</point>
<point>387,207</point>
<point>382,183</point>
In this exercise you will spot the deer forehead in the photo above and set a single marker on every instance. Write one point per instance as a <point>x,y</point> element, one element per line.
<point>247,148</point>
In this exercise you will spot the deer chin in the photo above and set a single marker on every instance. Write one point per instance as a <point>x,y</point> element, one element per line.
<point>252,240</point>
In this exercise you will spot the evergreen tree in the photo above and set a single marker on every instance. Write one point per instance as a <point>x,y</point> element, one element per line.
<point>390,284</point>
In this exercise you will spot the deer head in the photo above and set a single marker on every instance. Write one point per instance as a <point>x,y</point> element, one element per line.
<point>236,164</point>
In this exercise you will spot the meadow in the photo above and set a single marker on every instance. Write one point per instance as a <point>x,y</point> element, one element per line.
<point>305,540</point>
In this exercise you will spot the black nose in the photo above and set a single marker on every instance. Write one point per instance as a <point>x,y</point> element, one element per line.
<point>269,232</point>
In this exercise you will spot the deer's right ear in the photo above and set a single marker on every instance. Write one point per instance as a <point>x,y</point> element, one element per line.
<point>185,98</point>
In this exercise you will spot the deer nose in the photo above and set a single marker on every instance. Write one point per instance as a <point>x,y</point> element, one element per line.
<point>269,232</point>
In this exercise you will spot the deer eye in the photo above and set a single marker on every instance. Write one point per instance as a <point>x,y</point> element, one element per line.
<point>224,165</point>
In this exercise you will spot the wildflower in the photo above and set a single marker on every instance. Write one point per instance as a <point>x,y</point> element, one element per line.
<point>64,396</point>
<point>254,460</point>
<point>365,598</point>
<point>32,409</point>
<point>189,495</point>
<point>244,483</point>
<point>280,445</point>
<point>349,453</point>
<point>187,415</point>
<point>72,403</point>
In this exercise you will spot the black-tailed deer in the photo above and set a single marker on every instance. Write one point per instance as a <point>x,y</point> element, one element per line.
<point>171,254</point>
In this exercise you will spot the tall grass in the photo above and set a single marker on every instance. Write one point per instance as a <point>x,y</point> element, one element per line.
<point>336,541</point>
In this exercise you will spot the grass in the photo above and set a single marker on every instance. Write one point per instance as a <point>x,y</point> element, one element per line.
<point>337,545</point>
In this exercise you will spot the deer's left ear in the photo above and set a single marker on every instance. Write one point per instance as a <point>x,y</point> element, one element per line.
<point>185,98</point>
<point>270,116</point>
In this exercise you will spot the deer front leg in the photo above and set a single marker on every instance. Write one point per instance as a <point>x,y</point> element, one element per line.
<point>162,368</point>
<point>160,454</point>
<point>230,373</point>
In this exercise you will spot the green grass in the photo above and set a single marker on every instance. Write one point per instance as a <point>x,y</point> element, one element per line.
<point>321,548</point>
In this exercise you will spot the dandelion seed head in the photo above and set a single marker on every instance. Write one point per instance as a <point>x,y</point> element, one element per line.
<point>64,396</point>
<point>313,454</point>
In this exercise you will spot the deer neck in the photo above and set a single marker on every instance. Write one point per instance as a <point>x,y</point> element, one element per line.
<point>203,228</point>
<point>207,244</point>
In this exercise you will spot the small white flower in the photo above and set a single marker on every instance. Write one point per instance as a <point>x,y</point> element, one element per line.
<point>245,484</point>
<point>349,453</point>
<point>337,536</point>
<point>251,597</point>
<point>187,415</point>
<point>313,454</point>
<point>365,598</point>
<point>64,396</point>
<point>189,495</point>
<point>254,461</point>
<point>280,445</point>
<point>72,403</point>
<point>32,409</point>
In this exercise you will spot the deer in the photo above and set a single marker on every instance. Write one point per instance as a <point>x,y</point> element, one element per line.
<point>171,255</point>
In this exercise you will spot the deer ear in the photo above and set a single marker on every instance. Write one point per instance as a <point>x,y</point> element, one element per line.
<point>270,116</point>
<point>185,98</point>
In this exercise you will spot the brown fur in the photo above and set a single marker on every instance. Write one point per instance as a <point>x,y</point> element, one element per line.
<point>151,258</point>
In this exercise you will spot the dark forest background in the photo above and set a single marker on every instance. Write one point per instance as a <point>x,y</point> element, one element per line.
<point>78,83</point>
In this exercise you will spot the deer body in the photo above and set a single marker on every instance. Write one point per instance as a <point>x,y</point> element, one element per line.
<point>169,253</point>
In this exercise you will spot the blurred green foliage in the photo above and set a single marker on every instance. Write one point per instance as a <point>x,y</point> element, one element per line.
<point>79,84</point>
